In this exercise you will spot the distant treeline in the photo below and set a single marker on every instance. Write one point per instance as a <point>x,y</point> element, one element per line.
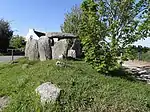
<point>140,48</point>
<point>135,52</point>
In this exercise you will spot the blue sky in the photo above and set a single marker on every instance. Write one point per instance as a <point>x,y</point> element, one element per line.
<point>143,42</point>
<point>43,15</point>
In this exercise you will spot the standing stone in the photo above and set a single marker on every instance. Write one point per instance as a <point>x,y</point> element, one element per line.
<point>32,49</point>
<point>72,53</point>
<point>77,47</point>
<point>44,48</point>
<point>61,57</point>
<point>4,101</point>
<point>60,49</point>
<point>48,92</point>
<point>27,47</point>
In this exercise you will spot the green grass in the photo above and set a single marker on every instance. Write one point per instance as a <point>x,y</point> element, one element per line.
<point>146,56</point>
<point>84,90</point>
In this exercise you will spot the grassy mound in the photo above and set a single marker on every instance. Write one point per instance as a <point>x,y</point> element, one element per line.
<point>83,88</point>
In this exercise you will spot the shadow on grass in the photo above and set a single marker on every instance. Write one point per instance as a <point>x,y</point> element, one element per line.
<point>122,73</point>
<point>74,59</point>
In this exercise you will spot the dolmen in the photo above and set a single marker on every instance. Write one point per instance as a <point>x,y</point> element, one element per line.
<point>53,45</point>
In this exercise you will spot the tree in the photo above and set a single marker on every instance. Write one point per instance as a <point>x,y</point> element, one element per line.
<point>5,30</point>
<point>17,42</point>
<point>72,21</point>
<point>92,34</point>
<point>107,26</point>
<point>115,20</point>
<point>5,34</point>
<point>144,27</point>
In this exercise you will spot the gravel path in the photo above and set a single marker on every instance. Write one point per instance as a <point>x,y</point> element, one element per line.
<point>136,63</point>
<point>8,58</point>
<point>140,69</point>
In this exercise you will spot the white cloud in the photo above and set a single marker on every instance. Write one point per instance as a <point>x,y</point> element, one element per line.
<point>143,42</point>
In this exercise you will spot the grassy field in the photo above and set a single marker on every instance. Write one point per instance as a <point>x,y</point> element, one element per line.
<point>84,90</point>
<point>146,56</point>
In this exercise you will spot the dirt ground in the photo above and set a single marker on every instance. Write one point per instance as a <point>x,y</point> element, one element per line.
<point>136,63</point>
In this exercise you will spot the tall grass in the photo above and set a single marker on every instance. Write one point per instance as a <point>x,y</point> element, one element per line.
<point>84,90</point>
